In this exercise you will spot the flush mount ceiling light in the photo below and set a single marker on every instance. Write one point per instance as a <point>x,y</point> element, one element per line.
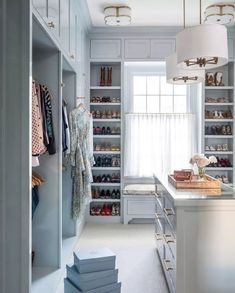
<point>219,13</point>
<point>202,47</point>
<point>176,75</point>
<point>117,15</point>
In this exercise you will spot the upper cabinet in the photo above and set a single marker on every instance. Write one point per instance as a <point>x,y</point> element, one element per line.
<point>231,49</point>
<point>72,31</point>
<point>160,49</point>
<point>105,49</point>
<point>64,24</point>
<point>137,49</point>
<point>50,13</point>
<point>149,49</point>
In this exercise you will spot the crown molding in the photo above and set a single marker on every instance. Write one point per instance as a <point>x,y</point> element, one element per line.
<point>141,31</point>
<point>134,31</point>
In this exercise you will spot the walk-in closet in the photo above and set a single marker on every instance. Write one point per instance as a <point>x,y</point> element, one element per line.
<point>117,146</point>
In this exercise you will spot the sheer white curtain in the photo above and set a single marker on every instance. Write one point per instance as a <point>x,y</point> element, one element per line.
<point>158,143</point>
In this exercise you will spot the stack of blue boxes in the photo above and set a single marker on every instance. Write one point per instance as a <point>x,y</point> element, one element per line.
<point>93,271</point>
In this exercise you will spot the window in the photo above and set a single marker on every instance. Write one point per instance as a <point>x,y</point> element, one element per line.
<point>159,124</point>
<point>152,94</point>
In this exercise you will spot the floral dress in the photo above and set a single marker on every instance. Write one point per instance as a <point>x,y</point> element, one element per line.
<point>81,156</point>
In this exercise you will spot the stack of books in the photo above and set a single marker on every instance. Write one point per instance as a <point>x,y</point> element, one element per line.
<point>93,271</point>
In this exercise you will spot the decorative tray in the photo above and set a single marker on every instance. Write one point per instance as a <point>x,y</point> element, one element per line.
<point>207,182</point>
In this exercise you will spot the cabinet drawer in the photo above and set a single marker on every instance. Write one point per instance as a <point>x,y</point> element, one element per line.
<point>169,266</point>
<point>105,49</point>
<point>170,239</point>
<point>159,240</point>
<point>141,207</point>
<point>169,211</point>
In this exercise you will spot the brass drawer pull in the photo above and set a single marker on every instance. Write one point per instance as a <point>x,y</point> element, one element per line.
<point>158,195</point>
<point>158,236</point>
<point>51,24</point>
<point>169,212</point>
<point>168,238</point>
<point>158,216</point>
<point>167,265</point>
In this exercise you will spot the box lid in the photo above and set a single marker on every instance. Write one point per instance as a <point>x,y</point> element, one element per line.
<point>91,256</point>
<point>86,277</point>
<point>105,289</point>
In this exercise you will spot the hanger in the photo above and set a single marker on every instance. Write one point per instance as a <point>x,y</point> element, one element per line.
<point>37,179</point>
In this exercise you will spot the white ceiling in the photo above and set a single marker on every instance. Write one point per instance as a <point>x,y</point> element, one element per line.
<point>153,12</point>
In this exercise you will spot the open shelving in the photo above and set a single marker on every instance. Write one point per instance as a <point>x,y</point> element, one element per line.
<point>221,93</point>
<point>113,91</point>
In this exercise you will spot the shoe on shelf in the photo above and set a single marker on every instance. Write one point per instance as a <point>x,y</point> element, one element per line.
<point>108,194</point>
<point>118,195</point>
<point>102,194</point>
<point>219,147</point>
<point>114,100</point>
<point>118,130</point>
<point>218,177</point>
<point>103,131</point>
<point>103,114</point>
<point>113,131</point>
<point>225,179</point>
<point>108,147</point>
<point>207,148</point>
<point>108,130</point>
<point>104,178</point>
<point>97,147</point>
<point>225,147</point>
<point>97,114</point>
<point>211,147</point>
<point>114,115</point>
<point>97,193</point>
<point>102,148</point>
<point>108,179</point>
<point>109,114</point>
<point>228,129</point>
<point>113,194</point>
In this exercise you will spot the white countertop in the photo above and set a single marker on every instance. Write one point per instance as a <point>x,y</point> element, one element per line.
<point>198,196</point>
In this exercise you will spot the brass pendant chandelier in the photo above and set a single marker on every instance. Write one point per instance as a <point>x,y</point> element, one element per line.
<point>207,46</point>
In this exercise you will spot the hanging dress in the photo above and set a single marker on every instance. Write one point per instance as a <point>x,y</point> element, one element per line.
<point>81,156</point>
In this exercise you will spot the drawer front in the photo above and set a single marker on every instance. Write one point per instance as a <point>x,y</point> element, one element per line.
<point>169,211</point>
<point>159,240</point>
<point>170,239</point>
<point>170,266</point>
<point>141,207</point>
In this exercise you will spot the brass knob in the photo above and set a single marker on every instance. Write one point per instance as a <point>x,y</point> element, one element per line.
<point>51,24</point>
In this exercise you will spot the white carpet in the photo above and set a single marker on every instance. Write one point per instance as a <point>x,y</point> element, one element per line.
<point>134,245</point>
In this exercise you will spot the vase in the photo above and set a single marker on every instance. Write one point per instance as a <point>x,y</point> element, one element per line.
<point>201,172</point>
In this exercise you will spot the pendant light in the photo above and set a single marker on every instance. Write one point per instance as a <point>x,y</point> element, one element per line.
<point>176,75</point>
<point>202,47</point>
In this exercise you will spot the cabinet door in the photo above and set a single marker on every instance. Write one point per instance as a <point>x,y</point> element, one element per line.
<point>64,24</point>
<point>160,49</point>
<point>137,49</point>
<point>72,32</point>
<point>41,7</point>
<point>105,49</point>
<point>230,48</point>
<point>53,16</point>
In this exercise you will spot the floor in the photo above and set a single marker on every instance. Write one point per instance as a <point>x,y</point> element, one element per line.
<point>134,245</point>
